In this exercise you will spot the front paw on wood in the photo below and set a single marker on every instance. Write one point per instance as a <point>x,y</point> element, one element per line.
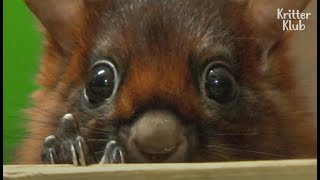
<point>67,146</point>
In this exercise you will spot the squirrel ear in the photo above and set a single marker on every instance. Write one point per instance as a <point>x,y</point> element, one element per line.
<point>59,18</point>
<point>263,15</point>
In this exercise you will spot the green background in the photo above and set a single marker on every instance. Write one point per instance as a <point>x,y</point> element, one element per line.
<point>22,50</point>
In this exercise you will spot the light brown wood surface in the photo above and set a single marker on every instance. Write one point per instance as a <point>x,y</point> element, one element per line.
<point>260,170</point>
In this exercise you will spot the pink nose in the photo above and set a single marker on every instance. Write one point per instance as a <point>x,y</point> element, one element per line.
<point>158,136</point>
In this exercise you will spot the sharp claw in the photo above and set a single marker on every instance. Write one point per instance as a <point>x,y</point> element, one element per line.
<point>105,158</point>
<point>49,139</point>
<point>68,116</point>
<point>112,153</point>
<point>117,155</point>
<point>74,155</point>
<point>51,154</point>
<point>81,153</point>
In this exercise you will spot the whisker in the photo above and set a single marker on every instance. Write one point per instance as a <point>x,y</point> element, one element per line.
<point>236,134</point>
<point>97,140</point>
<point>96,130</point>
<point>99,152</point>
<point>213,154</point>
<point>99,132</point>
<point>215,145</point>
<point>252,151</point>
<point>55,123</point>
<point>21,137</point>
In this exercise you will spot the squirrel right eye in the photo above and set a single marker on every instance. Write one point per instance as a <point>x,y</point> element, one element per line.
<point>100,83</point>
<point>219,83</point>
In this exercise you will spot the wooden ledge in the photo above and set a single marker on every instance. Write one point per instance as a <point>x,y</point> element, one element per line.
<point>263,170</point>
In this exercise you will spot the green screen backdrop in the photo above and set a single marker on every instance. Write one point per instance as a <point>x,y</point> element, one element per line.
<point>22,50</point>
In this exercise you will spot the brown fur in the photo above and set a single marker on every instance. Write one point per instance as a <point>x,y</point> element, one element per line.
<point>156,70</point>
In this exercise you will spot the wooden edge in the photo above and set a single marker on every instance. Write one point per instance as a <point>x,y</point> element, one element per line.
<point>280,169</point>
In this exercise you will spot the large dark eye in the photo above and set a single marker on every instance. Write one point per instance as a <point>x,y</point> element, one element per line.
<point>101,82</point>
<point>220,84</point>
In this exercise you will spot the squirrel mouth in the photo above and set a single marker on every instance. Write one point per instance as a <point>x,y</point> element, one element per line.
<point>155,157</point>
<point>158,156</point>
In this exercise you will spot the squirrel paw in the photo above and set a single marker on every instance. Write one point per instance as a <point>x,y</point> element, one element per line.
<point>67,146</point>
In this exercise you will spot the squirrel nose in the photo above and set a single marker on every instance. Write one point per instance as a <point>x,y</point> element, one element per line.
<point>157,135</point>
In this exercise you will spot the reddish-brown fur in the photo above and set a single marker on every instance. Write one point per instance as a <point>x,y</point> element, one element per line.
<point>283,127</point>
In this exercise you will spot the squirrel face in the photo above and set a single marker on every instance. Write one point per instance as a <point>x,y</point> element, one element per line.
<point>172,81</point>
